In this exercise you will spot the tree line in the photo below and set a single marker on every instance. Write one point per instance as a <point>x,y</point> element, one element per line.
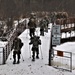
<point>16,8</point>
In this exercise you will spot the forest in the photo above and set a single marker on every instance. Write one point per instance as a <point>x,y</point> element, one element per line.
<point>13,8</point>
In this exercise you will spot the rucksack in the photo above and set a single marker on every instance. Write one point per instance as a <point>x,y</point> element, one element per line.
<point>21,44</point>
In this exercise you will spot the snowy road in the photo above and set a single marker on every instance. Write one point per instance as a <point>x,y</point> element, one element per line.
<point>27,67</point>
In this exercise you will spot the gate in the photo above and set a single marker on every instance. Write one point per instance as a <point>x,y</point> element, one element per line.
<point>1,55</point>
<point>62,60</point>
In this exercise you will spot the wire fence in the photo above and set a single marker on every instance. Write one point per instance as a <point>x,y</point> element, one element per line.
<point>5,50</point>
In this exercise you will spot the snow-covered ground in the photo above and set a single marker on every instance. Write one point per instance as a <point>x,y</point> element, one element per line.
<point>40,66</point>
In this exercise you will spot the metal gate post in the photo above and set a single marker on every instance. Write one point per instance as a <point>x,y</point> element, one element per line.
<point>50,49</point>
<point>71,61</point>
<point>3,56</point>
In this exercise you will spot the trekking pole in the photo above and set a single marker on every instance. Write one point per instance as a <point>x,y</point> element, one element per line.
<point>29,51</point>
<point>22,57</point>
<point>41,53</point>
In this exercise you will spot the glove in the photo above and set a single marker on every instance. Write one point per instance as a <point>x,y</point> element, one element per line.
<point>30,43</point>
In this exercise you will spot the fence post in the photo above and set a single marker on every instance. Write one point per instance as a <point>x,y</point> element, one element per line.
<point>50,49</point>
<point>3,56</point>
<point>71,61</point>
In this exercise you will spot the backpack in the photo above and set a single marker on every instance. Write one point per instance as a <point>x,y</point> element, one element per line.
<point>21,44</point>
<point>18,44</point>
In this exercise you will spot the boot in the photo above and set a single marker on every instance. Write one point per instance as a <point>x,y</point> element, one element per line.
<point>18,62</point>
<point>33,59</point>
<point>37,57</point>
<point>14,61</point>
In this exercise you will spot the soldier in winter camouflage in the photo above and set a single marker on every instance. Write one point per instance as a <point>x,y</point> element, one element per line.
<point>32,26</point>
<point>35,49</point>
<point>17,45</point>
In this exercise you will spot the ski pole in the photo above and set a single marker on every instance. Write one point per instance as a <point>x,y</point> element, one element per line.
<point>29,51</point>
<point>22,57</point>
<point>41,53</point>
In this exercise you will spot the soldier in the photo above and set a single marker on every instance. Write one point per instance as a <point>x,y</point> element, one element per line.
<point>17,45</point>
<point>32,26</point>
<point>42,26</point>
<point>47,20</point>
<point>36,42</point>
